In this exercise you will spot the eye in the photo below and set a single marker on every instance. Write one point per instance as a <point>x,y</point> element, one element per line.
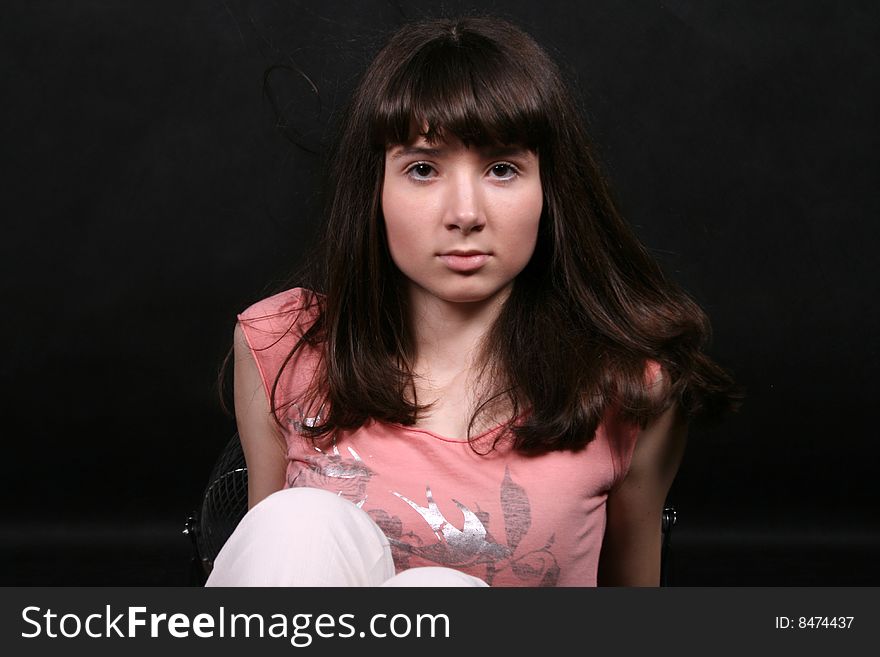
<point>420,171</point>
<point>504,171</point>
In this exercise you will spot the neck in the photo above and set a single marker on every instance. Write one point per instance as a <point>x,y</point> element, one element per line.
<point>448,335</point>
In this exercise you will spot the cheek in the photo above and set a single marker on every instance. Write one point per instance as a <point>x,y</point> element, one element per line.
<point>525,216</point>
<point>533,213</point>
<point>401,225</point>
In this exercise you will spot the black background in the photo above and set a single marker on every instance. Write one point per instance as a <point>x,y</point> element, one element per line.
<point>150,193</point>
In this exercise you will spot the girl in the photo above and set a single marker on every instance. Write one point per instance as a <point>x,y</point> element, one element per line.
<point>489,379</point>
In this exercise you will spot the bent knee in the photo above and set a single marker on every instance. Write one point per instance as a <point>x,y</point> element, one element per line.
<point>304,503</point>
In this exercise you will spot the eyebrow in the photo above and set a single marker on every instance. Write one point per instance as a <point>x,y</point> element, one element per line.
<point>414,150</point>
<point>488,151</point>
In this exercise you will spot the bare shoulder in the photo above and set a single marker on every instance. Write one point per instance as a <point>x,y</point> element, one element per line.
<point>660,447</point>
<point>249,387</point>
<point>240,344</point>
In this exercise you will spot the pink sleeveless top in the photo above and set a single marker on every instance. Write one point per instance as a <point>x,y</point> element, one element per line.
<point>510,519</point>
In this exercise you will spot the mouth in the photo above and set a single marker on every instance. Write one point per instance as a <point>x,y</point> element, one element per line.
<point>464,261</point>
<point>467,253</point>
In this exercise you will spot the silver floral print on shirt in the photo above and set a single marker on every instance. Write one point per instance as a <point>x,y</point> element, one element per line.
<point>454,546</point>
<point>472,548</point>
<point>347,477</point>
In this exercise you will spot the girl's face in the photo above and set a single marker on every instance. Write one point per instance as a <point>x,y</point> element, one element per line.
<point>461,222</point>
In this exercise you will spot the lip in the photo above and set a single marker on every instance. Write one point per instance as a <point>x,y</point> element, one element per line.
<point>464,261</point>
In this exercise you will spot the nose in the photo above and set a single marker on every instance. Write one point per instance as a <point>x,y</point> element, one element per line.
<point>464,210</point>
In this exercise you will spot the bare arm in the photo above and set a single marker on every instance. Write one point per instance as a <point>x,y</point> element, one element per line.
<point>631,547</point>
<point>260,436</point>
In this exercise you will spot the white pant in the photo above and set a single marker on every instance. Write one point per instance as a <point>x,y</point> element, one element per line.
<point>312,537</point>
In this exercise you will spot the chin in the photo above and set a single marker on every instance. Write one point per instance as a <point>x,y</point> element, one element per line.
<point>465,290</point>
<point>472,295</point>
<point>465,298</point>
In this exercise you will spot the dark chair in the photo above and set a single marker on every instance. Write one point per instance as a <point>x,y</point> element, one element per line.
<point>225,501</point>
<point>223,505</point>
<point>670,517</point>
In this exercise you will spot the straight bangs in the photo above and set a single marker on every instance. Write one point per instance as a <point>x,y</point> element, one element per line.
<point>463,86</point>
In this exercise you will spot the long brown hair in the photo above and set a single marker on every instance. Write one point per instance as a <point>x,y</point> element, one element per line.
<point>585,315</point>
